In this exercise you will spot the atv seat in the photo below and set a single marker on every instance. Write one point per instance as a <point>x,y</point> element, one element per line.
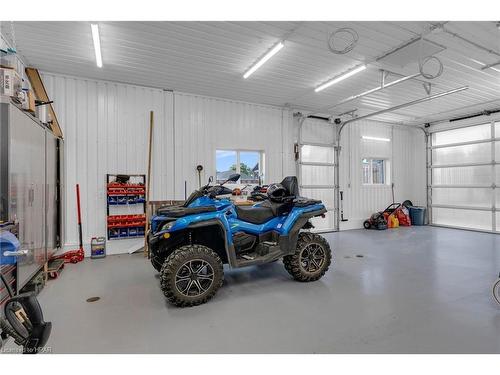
<point>254,214</point>
<point>304,202</point>
<point>263,212</point>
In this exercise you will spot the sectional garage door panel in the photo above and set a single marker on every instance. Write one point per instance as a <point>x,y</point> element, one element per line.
<point>471,133</point>
<point>465,177</point>
<point>462,175</point>
<point>475,153</point>
<point>317,175</point>
<point>317,154</point>
<point>460,218</point>
<point>470,197</point>
<point>316,167</point>
<point>324,195</point>
<point>324,224</point>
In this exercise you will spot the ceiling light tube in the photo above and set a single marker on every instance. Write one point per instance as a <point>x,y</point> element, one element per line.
<point>97,44</point>
<point>273,51</point>
<point>376,138</point>
<point>340,78</point>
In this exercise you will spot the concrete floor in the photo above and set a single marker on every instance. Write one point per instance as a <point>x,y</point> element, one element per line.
<point>415,290</point>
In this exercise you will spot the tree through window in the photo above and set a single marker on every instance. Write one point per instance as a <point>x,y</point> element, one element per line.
<point>247,163</point>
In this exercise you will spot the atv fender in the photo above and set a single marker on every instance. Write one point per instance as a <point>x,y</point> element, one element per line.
<point>229,251</point>
<point>288,242</point>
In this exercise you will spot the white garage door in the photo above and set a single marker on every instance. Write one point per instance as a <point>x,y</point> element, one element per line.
<point>465,177</point>
<point>316,168</point>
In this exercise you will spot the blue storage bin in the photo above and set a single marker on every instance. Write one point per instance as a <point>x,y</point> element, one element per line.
<point>8,242</point>
<point>417,215</point>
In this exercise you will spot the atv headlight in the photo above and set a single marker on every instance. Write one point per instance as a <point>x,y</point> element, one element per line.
<point>167,225</point>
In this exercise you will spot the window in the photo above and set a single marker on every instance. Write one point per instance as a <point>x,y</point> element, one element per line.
<point>375,171</point>
<point>249,164</point>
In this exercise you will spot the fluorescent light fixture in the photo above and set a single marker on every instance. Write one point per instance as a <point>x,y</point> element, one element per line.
<point>97,44</point>
<point>375,138</point>
<point>483,64</point>
<point>477,61</point>
<point>273,51</point>
<point>340,78</point>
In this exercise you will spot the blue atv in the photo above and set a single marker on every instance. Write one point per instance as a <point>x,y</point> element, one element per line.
<point>190,243</point>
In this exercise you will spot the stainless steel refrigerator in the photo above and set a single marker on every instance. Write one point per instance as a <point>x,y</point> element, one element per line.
<point>29,187</point>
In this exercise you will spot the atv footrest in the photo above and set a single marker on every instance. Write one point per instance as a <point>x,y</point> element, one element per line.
<point>254,258</point>
<point>266,247</point>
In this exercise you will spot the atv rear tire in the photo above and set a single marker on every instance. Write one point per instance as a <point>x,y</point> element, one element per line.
<point>311,259</point>
<point>191,275</point>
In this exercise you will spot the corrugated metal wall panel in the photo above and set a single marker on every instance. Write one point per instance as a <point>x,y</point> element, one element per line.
<point>203,125</point>
<point>106,131</point>
<point>406,153</point>
<point>105,127</point>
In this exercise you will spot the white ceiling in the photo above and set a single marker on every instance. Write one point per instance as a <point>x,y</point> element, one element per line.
<point>209,58</point>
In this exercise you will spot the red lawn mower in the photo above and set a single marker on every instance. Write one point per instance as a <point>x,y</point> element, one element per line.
<point>380,220</point>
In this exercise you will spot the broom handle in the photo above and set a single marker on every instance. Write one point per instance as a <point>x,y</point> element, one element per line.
<point>79,215</point>
<point>148,184</point>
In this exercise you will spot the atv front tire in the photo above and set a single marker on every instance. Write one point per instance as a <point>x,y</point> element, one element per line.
<point>156,264</point>
<point>366,224</point>
<point>191,275</point>
<point>496,291</point>
<point>311,259</point>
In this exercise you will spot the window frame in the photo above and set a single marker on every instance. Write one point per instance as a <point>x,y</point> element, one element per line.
<point>238,162</point>
<point>386,174</point>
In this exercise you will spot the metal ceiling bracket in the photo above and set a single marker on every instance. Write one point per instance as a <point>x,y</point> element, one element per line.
<point>490,65</point>
<point>427,87</point>
<point>351,113</point>
<point>382,77</point>
<point>371,91</point>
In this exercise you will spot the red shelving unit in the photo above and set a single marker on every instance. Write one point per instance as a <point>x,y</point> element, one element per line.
<point>131,195</point>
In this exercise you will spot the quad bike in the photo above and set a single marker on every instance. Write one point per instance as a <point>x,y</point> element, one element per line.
<point>190,243</point>
<point>24,322</point>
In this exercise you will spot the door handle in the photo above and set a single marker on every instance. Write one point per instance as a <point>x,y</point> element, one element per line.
<point>16,253</point>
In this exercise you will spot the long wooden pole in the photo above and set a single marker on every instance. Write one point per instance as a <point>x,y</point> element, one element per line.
<point>148,182</point>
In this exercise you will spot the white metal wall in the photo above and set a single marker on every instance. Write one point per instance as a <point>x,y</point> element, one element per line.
<point>105,127</point>
<point>106,131</point>
<point>204,124</point>
<point>406,153</point>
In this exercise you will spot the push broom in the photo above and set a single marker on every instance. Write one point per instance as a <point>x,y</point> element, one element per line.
<point>75,256</point>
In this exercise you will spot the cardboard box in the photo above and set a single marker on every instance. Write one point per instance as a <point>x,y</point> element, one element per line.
<point>10,82</point>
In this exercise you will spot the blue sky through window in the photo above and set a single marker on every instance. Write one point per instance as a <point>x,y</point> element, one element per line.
<point>225,159</point>
<point>249,158</point>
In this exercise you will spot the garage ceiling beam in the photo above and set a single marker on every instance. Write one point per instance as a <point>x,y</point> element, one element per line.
<point>381,87</point>
<point>404,105</point>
